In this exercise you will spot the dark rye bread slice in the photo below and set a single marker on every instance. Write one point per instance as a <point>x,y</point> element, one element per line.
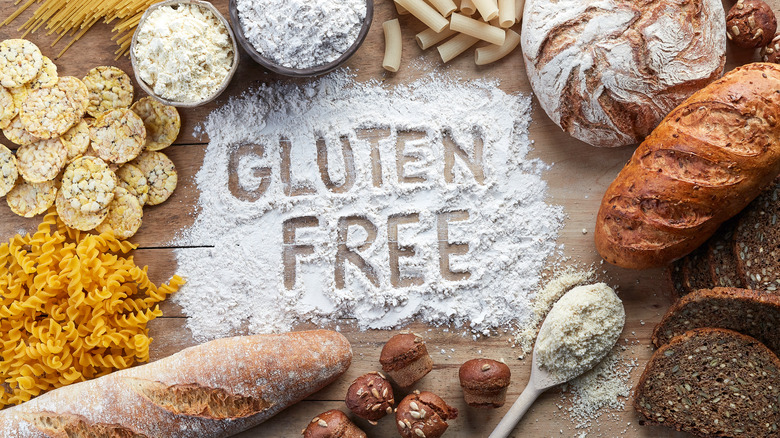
<point>674,278</point>
<point>712,383</point>
<point>757,241</point>
<point>696,271</point>
<point>753,313</point>
<point>721,258</point>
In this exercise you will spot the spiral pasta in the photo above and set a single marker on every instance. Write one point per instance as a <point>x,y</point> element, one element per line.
<point>72,308</point>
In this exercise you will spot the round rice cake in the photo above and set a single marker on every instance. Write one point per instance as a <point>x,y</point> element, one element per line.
<point>42,160</point>
<point>28,199</point>
<point>160,174</point>
<point>19,95</point>
<point>76,91</point>
<point>118,136</point>
<point>109,88</point>
<point>49,112</point>
<point>77,219</point>
<point>9,171</point>
<point>133,180</point>
<point>88,185</point>
<point>16,134</point>
<point>7,108</point>
<point>125,214</point>
<point>47,77</point>
<point>20,62</point>
<point>76,140</point>
<point>162,123</point>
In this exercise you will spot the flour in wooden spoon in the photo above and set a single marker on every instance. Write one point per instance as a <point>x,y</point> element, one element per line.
<point>246,198</point>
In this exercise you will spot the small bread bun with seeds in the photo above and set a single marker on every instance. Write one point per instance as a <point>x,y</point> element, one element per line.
<point>751,24</point>
<point>423,415</point>
<point>370,397</point>
<point>771,53</point>
<point>484,383</point>
<point>332,424</point>
<point>405,358</point>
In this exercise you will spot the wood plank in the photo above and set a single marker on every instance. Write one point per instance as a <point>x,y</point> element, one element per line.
<point>577,180</point>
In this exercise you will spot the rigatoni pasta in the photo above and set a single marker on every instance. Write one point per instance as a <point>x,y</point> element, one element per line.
<point>393,43</point>
<point>455,46</point>
<point>428,38</point>
<point>506,13</point>
<point>488,9</point>
<point>519,7</point>
<point>467,7</point>
<point>445,7</point>
<point>425,13</point>
<point>492,53</point>
<point>477,29</point>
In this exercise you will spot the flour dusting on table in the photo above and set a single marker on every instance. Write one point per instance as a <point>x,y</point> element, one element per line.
<point>440,166</point>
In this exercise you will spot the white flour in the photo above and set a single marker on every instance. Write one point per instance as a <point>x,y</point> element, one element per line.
<point>301,33</point>
<point>510,232</point>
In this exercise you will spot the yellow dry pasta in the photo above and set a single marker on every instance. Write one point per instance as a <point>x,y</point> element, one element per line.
<point>506,12</point>
<point>109,88</point>
<point>162,122</point>
<point>393,43</point>
<point>488,9</point>
<point>453,47</point>
<point>74,307</point>
<point>492,53</point>
<point>477,29</point>
<point>428,38</point>
<point>425,13</point>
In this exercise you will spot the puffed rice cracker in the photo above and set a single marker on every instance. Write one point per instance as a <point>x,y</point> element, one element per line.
<point>7,108</point>
<point>76,140</point>
<point>118,136</point>
<point>20,95</point>
<point>109,88</point>
<point>77,219</point>
<point>16,133</point>
<point>42,160</point>
<point>47,77</point>
<point>88,185</point>
<point>133,180</point>
<point>20,62</point>
<point>9,171</point>
<point>49,112</point>
<point>125,214</point>
<point>162,123</point>
<point>76,91</point>
<point>31,199</point>
<point>161,175</point>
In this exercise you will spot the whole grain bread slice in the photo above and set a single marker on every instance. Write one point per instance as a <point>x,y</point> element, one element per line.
<point>757,241</point>
<point>696,271</point>
<point>753,313</point>
<point>674,278</point>
<point>712,383</point>
<point>722,259</point>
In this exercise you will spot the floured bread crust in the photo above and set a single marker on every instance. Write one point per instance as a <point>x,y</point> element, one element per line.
<point>607,71</point>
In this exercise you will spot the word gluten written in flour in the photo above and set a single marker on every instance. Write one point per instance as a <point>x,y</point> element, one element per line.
<point>408,167</point>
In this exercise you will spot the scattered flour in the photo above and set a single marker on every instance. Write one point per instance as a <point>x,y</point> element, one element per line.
<point>510,230</point>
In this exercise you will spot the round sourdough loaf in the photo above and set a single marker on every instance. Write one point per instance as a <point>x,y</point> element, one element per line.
<point>607,71</point>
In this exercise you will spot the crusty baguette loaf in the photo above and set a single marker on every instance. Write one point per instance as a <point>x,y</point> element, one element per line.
<point>703,164</point>
<point>212,390</point>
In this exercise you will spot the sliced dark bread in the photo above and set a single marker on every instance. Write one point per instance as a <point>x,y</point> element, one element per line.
<point>721,258</point>
<point>757,241</point>
<point>753,313</point>
<point>696,271</point>
<point>712,383</point>
<point>674,277</point>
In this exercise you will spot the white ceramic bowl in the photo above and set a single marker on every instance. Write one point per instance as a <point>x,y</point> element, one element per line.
<point>146,87</point>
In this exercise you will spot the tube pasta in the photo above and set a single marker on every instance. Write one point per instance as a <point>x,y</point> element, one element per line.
<point>492,53</point>
<point>454,47</point>
<point>507,12</point>
<point>519,7</point>
<point>400,9</point>
<point>393,44</point>
<point>425,13</point>
<point>445,7</point>
<point>428,38</point>
<point>467,7</point>
<point>488,9</point>
<point>477,29</point>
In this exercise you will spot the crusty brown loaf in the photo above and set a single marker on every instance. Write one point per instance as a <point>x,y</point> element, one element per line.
<point>704,163</point>
<point>216,389</point>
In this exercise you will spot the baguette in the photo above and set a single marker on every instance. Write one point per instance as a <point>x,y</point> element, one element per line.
<point>704,163</point>
<point>215,389</point>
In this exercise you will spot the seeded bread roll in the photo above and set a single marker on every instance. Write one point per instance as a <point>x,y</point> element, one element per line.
<point>332,424</point>
<point>423,415</point>
<point>370,396</point>
<point>704,163</point>
<point>712,383</point>
<point>212,390</point>
<point>484,383</point>
<point>405,359</point>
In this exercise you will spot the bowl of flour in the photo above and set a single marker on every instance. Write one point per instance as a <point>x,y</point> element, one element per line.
<point>301,38</point>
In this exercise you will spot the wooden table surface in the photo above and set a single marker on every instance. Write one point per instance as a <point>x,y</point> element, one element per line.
<point>577,181</point>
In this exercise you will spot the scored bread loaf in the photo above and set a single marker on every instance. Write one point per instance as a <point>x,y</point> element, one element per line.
<point>704,163</point>
<point>216,389</point>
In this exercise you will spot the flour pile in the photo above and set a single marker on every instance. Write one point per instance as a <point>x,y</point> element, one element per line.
<point>435,165</point>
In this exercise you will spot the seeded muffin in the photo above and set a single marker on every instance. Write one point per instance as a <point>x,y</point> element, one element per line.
<point>423,415</point>
<point>484,383</point>
<point>405,358</point>
<point>370,396</point>
<point>332,424</point>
